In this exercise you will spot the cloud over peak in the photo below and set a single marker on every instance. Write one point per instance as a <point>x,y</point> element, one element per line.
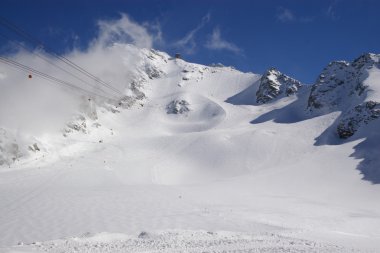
<point>123,30</point>
<point>216,42</point>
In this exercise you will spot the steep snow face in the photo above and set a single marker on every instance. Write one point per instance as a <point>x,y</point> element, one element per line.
<point>151,66</point>
<point>29,107</point>
<point>275,85</point>
<point>352,88</point>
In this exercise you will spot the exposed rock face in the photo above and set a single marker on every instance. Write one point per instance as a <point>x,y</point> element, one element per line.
<point>274,85</point>
<point>342,87</point>
<point>353,119</point>
<point>366,61</point>
<point>336,81</point>
<point>341,83</point>
<point>178,107</point>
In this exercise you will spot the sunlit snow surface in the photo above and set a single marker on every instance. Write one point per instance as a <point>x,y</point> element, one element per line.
<point>185,178</point>
<point>181,241</point>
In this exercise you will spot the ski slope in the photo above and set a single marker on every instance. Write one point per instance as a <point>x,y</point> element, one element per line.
<point>207,178</point>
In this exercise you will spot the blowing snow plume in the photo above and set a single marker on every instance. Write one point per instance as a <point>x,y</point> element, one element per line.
<point>44,91</point>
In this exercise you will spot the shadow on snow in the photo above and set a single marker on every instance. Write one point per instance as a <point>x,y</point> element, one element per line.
<point>368,150</point>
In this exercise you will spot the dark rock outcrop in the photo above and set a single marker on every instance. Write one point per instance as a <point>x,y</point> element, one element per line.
<point>178,107</point>
<point>275,85</point>
<point>343,86</point>
<point>352,120</point>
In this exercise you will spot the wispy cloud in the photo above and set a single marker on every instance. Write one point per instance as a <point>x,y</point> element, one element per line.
<point>188,43</point>
<point>216,42</point>
<point>331,10</point>
<point>155,30</point>
<point>285,15</point>
<point>123,30</point>
<point>29,105</point>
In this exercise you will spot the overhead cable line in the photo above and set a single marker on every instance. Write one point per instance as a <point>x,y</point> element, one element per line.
<point>51,52</point>
<point>49,77</point>
<point>55,65</point>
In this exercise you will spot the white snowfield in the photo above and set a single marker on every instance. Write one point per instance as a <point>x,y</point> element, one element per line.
<point>181,241</point>
<point>208,178</point>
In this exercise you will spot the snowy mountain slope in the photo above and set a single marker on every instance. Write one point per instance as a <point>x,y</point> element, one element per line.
<point>31,117</point>
<point>354,91</point>
<point>350,89</point>
<point>188,148</point>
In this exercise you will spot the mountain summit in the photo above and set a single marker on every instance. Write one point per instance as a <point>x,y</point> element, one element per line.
<point>352,88</point>
<point>276,85</point>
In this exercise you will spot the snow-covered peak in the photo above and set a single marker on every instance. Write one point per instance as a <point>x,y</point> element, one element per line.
<point>352,88</point>
<point>341,83</point>
<point>274,85</point>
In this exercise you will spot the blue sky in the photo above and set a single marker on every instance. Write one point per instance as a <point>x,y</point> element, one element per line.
<point>298,37</point>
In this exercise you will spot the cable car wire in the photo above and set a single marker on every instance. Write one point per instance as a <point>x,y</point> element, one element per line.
<point>48,77</point>
<point>51,52</point>
<point>55,65</point>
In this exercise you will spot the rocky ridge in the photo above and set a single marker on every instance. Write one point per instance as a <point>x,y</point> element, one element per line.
<point>275,85</point>
<point>343,86</point>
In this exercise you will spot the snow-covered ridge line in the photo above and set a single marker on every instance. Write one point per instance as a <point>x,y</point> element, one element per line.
<point>351,89</point>
<point>342,86</point>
